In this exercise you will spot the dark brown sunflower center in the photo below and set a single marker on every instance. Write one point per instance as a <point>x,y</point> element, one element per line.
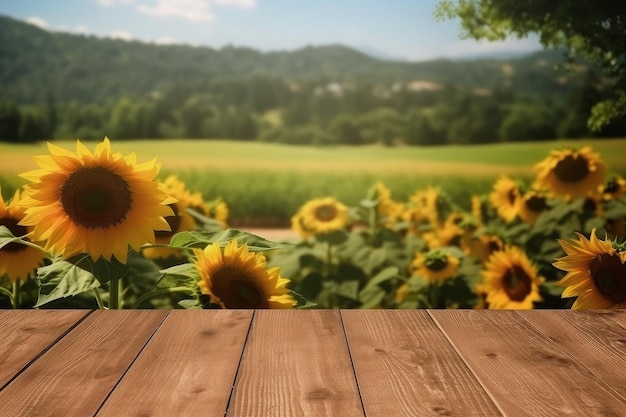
<point>96,198</point>
<point>536,203</point>
<point>325,212</point>
<point>512,195</point>
<point>493,245</point>
<point>517,284</point>
<point>436,264</point>
<point>234,288</point>
<point>173,221</point>
<point>609,277</point>
<point>572,169</point>
<point>611,187</point>
<point>17,230</point>
<point>590,205</point>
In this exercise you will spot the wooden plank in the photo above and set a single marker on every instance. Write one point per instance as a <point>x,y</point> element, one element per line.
<point>27,333</point>
<point>75,376</point>
<point>590,337</point>
<point>296,363</point>
<point>187,369</point>
<point>405,366</point>
<point>524,370</point>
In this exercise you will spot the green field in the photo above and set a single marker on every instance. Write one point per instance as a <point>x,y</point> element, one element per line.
<point>264,184</point>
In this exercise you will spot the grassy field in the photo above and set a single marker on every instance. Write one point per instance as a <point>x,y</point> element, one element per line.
<point>264,184</point>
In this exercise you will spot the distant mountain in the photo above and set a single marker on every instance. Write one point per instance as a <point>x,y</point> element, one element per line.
<point>35,62</point>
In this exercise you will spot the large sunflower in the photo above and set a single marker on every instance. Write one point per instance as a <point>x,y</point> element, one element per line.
<point>180,221</point>
<point>434,266</point>
<point>596,272</point>
<point>97,203</point>
<point>503,198</point>
<point>323,215</point>
<point>511,280</point>
<point>236,278</point>
<point>17,261</point>
<point>570,173</point>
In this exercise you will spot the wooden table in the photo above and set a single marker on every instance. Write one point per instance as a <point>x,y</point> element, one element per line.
<point>344,363</point>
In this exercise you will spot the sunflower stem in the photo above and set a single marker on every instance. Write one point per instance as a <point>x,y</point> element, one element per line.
<point>115,302</point>
<point>17,293</point>
<point>8,294</point>
<point>434,295</point>
<point>329,269</point>
<point>96,294</point>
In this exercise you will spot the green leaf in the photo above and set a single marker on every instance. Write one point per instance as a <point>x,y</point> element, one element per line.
<point>6,237</point>
<point>186,270</point>
<point>201,239</point>
<point>190,304</point>
<point>63,279</point>
<point>102,269</point>
<point>311,285</point>
<point>336,237</point>
<point>371,297</point>
<point>553,289</point>
<point>302,302</point>
<point>349,289</point>
<point>206,223</point>
<point>386,274</point>
<point>376,258</point>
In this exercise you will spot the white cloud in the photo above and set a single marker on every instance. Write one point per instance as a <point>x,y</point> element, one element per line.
<point>37,21</point>
<point>165,41</point>
<point>120,34</point>
<point>111,3</point>
<point>242,4</point>
<point>192,10</point>
<point>81,29</point>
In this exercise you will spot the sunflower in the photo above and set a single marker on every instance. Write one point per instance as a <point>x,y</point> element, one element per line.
<point>236,278</point>
<point>434,266</point>
<point>418,220</point>
<point>298,226</point>
<point>218,210</point>
<point>482,246</point>
<point>479,209</point>
<point>570,173</point>
<point>17,261</point>
<point>388,210</point>
<point>180,221</point>
<point>434,201</point>
<point>503,198</point>
<point>96,203</point>
<point>613,188</point>
<point>448,235</point>
<point>323,215</point>
<point>596,272</point>
<point>511,280</point>
<point>531,205</point>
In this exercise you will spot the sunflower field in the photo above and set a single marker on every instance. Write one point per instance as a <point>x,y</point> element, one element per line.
<point>98,229</point>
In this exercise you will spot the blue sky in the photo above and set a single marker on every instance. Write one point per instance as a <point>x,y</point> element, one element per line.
<point>403,29</point>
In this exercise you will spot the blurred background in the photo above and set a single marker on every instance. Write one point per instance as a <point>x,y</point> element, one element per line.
<point>234,74</point>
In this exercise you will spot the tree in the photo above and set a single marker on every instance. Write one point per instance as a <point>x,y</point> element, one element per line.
<point>10,120</point>
<point>592,29</point>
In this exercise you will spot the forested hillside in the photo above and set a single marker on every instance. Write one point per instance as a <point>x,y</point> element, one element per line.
<point>65,85</point>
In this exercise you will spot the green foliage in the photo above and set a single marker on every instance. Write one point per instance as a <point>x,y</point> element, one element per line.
<point>594,30</point>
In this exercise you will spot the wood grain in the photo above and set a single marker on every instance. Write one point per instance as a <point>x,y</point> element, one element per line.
<point>592,338</point>
<point>75,376</point>
<point>525,371</point>
<point>405,366</point>
<point>187,369</point>
<point>296,363</point>
<point>27,333</point>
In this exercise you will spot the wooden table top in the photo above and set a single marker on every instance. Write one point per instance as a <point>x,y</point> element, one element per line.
<point>388,363</point>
